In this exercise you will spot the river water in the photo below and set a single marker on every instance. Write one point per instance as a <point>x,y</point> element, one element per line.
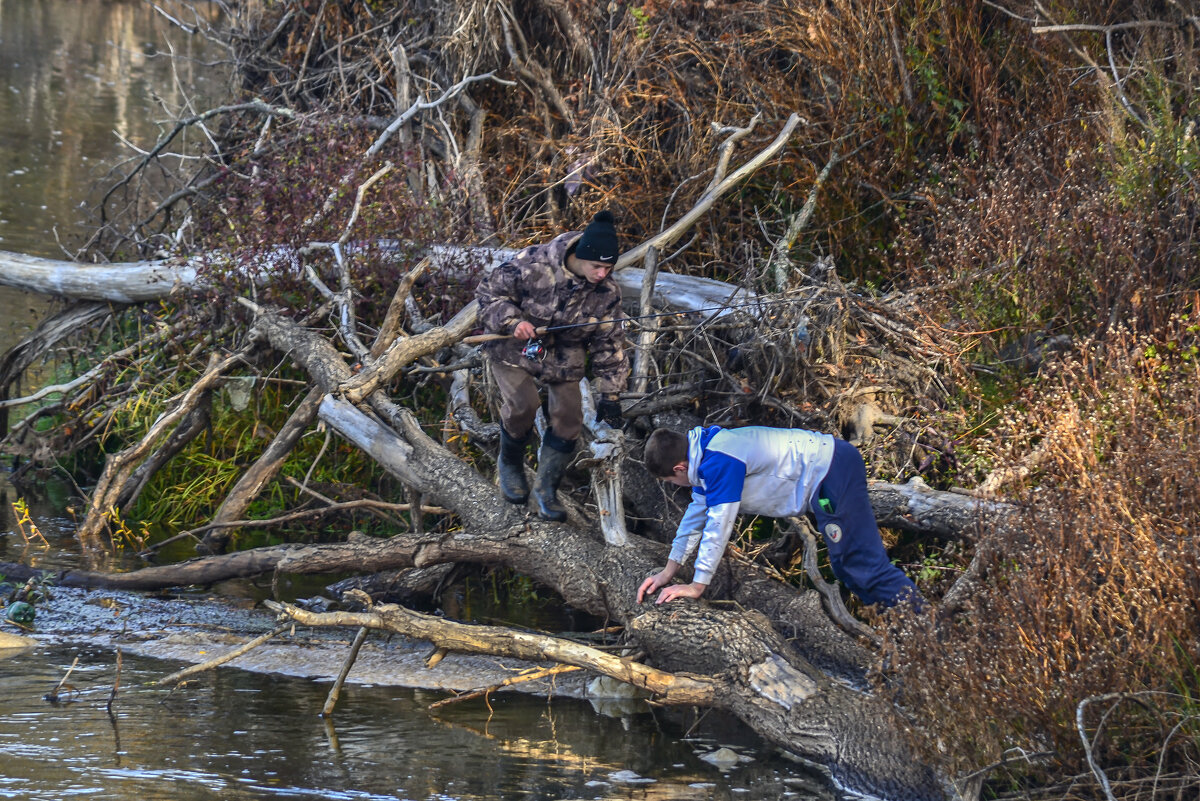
<point>76,76</point>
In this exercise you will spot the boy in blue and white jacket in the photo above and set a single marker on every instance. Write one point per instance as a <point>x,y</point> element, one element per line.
<point>776,472</point>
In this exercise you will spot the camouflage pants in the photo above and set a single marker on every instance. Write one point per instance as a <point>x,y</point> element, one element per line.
<point>519,402</point>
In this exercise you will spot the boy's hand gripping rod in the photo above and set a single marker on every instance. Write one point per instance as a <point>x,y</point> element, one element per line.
<point>475,339</point>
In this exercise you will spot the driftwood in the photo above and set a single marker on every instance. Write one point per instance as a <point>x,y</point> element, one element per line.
<point>678,689</point>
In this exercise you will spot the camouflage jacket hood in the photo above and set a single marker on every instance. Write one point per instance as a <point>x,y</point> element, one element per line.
<point>535,285</point>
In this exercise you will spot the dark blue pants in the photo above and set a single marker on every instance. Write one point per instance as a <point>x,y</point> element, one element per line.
<point>847,522</point>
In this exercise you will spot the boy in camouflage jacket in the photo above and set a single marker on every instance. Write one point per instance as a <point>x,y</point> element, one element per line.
<point>565,282</point>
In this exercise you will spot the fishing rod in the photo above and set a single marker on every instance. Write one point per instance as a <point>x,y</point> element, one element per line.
<point>543,330</point>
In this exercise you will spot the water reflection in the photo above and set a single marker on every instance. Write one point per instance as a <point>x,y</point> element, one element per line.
<point>76,78</point>
<point>237,735</point>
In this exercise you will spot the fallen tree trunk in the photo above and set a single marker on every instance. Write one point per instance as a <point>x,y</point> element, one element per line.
<point>768,681</point>
<point>771,684</point>
<point>797,693</point>
<point>141,281</point>
<point>130,282</point>
<point>918,508</point>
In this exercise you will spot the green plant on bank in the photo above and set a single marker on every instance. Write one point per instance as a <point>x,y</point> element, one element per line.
<point>24,519</point>
<point>186,491</point>
<point>935,567</point>
<point>642,20</point>
<point>123,536</point>
<point>1153,156</point>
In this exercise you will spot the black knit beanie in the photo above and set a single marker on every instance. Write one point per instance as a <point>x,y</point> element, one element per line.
<point>599,240</point>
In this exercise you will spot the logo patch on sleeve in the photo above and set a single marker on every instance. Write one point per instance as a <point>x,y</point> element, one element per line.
<point>833,532</point>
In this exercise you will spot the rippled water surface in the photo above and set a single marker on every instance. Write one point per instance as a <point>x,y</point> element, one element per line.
<point>231,734</point>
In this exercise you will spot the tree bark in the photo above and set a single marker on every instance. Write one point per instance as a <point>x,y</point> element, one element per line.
<point>137,282</point>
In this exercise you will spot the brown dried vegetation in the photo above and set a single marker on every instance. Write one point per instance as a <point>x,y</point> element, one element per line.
<point>1091,603</point>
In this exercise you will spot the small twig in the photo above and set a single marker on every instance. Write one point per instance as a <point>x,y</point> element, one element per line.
<point>180,125</point>
<point>421,105</point>
<point>336,689</point>
<point>116,683</point>
<point>726,149</point>
<point>358,199</point>
<point>1087,745</point>
<point>1120,26</point>
<point>312,36</point>
<point>663,239</point>
<point>796,225</point>
<point>333,506</point>
<point>53,696</point>
<point>645,340</point>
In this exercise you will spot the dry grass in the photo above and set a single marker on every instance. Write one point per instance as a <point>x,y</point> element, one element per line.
<point>1094,589</point>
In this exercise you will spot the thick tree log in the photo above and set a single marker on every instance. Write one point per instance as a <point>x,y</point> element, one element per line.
<point>137,282</point>
<point>775,683</point>
<point>916,507</point>
<point>127,282</point>
<point>771,685</point>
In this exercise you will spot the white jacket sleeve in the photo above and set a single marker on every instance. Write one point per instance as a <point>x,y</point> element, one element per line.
<point>708,526</point>
<point>690,528</point>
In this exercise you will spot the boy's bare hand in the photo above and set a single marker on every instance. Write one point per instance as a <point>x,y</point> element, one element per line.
<point>651,585</point>
<point>681,591</point>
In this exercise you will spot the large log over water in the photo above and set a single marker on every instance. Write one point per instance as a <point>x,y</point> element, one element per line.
<point>764,678</point>
<point>796,692</point>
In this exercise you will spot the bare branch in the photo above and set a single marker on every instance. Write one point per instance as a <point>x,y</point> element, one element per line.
<point>420,105</point>
<point>669,688</point>
<point>664,239</point>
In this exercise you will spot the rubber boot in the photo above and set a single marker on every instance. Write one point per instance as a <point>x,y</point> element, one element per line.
<point>553,458</point>
<point>511,467</point>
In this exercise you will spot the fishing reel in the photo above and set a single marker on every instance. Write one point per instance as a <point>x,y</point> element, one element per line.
<point>534,350</point>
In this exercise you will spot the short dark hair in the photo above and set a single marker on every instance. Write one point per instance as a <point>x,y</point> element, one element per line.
<point>665,449</point>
